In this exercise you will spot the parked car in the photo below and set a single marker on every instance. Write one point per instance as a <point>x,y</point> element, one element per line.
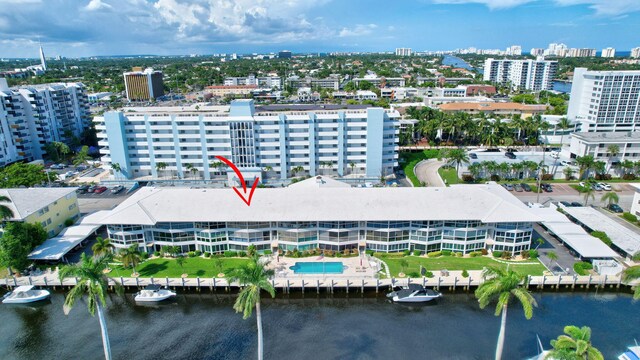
<point>100,189</point>
<point>566,203</point>
<point>82,189</point>
<point>92,188</point>
<point>605,186</point>
<point>596,187</point>
<point>473,156</point>
<point>582,184</point>
<point>525,187</point>
<point>81,167</point>
<point>508,187</point>
<point>517,188</point>
<point>117,189</point>
<point>576,204</point>
<point>510,155</point>
<point>615,208</point>
<point>546,187</point>
<point>564,163</point>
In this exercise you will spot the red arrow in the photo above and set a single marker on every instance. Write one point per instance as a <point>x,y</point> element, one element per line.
<point>244,185</point>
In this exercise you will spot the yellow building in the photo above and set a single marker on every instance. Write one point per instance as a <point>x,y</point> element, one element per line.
<point>47,206</point>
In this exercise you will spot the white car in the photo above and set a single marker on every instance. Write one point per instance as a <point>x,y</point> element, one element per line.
<point>605,186</point>
<point>565,163</point>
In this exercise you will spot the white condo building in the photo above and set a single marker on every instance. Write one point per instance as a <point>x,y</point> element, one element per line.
<point>635,53</point>
<point>533,75</point>
<point>34,115</point>
<point>323,213</point>
<point>608,52</point>
<point>270,82</point>
<point>403,52</point>
<point>338,142</point>
<point>606,105</point>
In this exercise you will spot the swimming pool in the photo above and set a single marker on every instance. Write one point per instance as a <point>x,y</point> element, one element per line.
<point>334,267</point>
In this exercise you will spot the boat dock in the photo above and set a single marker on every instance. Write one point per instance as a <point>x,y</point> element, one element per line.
<point>328,284</point>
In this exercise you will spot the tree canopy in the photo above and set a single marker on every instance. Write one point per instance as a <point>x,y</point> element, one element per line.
<point>27,175</point>
<point>18,241</point>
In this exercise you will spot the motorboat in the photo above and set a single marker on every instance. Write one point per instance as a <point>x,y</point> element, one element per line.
<point>25,294</point>
<point>632,353</point>
<point>154,293</point>
<point>413,293</point>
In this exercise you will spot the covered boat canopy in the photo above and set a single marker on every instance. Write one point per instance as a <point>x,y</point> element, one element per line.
<point>23,288</point>
<point>153,287</point>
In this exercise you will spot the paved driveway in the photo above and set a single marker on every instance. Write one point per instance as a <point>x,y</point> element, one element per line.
<point>564,264</point>
<point>427,172</point>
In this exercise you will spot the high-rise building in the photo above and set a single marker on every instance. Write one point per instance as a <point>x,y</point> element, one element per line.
<point>403,52</point>
<point>536,52</point>
<point>34,115</point>
<point>270,82</point>
<point>533,75</point>
<point>608,52</point>
<point>514,50</point>
<point>606,105</point>
<point>284,54</point>
<point>554,49</point>
<point>584,52</point>
<point>43,62</point>
<point>635,53</point>
<point>140,138</point>
<point>143,85</point>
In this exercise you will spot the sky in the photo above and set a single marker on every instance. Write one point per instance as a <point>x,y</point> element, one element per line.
<point>78,28</point>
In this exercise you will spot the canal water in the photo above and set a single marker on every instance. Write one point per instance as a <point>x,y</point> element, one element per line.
<point>456,62</point>
<point>204,326</point>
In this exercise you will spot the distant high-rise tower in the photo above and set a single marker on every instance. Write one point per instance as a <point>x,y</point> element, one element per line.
<point>43,63</point>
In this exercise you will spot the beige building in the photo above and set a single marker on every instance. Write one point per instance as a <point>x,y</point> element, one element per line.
<point>50,207</point>
<point>143,85</point>
<point>222,91</point>
<point>509,108</point>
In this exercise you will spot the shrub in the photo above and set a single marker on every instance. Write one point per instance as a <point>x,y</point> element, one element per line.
<point>446,252</point>
<point>465,273</point>
<point>495,178</point>
<point>145,255</point>
<point>524,254</point>
<point>547,177</point>
<point>268,252</point>
<point>207,254</point>
<point>198,252</point>
<point>328,252</point>
<point>629,177</point>
<point>497,254</point>
<point>506,255</point>
<point>484,252</point>
<point>346,252</point>
<point>417,252</point>
<point>69,222</point>
<point>230,253</point>
<point>533,254</point>
<point>468,178</point>
<point>413,274</point>
<point>459,254</point>
<point>379,254</point>
<point>474,254</point>
<point>338,254</point>
<point>434,254</point>
<point>582,267</point>
<point>242,253</point>
<point>369,252</point>
<point>428,274</point>
<point>157,254</point>
<point>406,253</point>
<point>602,236</point>
<point>629,217</point>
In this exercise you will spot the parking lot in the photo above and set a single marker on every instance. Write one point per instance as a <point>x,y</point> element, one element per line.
<point>564,192</point>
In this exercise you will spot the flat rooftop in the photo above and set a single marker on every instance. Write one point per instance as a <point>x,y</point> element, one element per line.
<point>490,106</point>
<point>622,237</point>
<point>26,201</point>
<point>608,136</point>
<point>306,201</point>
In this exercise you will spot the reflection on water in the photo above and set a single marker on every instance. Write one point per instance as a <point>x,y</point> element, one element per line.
<point>204,326</point>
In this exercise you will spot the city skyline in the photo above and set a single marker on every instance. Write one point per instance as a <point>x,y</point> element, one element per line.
<point>180,27</point>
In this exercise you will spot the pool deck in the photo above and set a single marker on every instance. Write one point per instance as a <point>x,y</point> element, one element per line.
<point>352,267</point>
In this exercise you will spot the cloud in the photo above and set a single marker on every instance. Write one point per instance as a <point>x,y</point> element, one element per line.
<point>491,4</point>
<point>358,30</point>
<point>605,7</point>
<point>97,5</point>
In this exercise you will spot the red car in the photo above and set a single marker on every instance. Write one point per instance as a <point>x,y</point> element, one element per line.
<point>100,190</point>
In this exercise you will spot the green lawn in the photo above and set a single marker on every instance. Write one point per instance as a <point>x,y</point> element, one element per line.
<point>167,267</point>
<point>409,159</point>
<point>455,263</point>
<point>449,175</point>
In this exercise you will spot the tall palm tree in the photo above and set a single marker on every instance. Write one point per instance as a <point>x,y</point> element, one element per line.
<point>102,246</point>
<point>552,257</point>
<point>161,166</point>
<point>352,165</point>
<point>504,285</point>
<point>298,169</point>
<point>610,198</point>
<point>588,194</point>
<point>586,163</point>
<point>631,274</point>
<point>458,156</point>
<point>93,283</point>
<point>568,172</point>
<point>267,170</point>
<point>576,344</point>
<point>116,169</point>
<point>612,150</point>
<point>253,277</point>
<point>130,257</point>
<point>82,156</point>
<point>563,124</point>
<point>5,211</point>
<point>216,165</point>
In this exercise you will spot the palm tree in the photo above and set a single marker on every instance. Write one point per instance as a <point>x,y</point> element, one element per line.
<point>504,285</point>
<point>403,263</point>
<point>130,256</point>
<point>612,150</point>
<point>568,173</point>
<point>588,193</point>
<point>253,277</point>
<point>82,156</point>
<point>189,167</point>
<point>298,169</point>
<point>631,274</point>
<point>102,246</point>
<point>610,198</point>
<point>160,167</point>
<point>552,257</point>
<point>267,169</point>
<point>576,344</point>
<point>352,165</point>
<point>94,283</point>
<point>116,169</point>
<point>586,163</point>
<point>5,211</point>
<point>563,124</point>
<point>217,165</point>
<point>458,156</point>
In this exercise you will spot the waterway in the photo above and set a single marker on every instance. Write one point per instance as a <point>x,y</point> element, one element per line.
<point>456,62</point>
<point>204,326</point>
